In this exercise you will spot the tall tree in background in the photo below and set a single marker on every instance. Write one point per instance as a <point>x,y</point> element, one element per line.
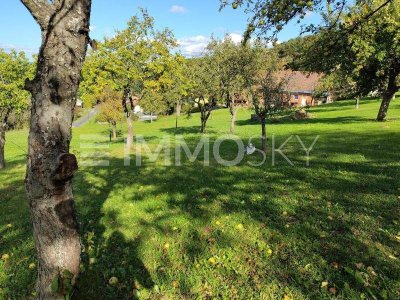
<point>110,109</point>
<point>268,96</point>
<point>134,60</point>
<point>227,62</point>
<point>376,48</point>
<point>235,67</point>
<point>205,106</point>
<point>14,68</point>
<point>177,93</point>
<point>162,77</point>
<point>205,87</point>
<point>65,27</point>
<point>153,102</point>
<point>95,77</point>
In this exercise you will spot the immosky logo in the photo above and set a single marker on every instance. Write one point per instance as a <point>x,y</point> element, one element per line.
<point>174,150</point>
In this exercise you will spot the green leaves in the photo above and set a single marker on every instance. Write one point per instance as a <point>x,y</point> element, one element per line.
<point>63,284</point>
<point>55,284</point>
<point>136,61</point>
<point>14,69</point>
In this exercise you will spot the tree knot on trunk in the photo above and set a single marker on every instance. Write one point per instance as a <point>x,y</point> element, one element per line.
<point>65,211</point>
<point>29,85</point>
<point>84,30</point>
<point>54,86</point>
<point>65,169</point>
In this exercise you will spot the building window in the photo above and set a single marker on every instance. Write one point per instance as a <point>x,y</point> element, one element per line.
<point>296,97</point>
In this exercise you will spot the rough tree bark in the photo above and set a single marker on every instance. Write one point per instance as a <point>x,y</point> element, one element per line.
<point>65,27</point>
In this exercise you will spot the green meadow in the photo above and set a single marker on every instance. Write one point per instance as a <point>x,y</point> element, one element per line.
<point>330,230</point>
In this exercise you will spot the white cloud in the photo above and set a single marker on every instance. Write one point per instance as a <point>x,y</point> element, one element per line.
<point>177,9</point>
<point>27,50</point>
<point>237,38</point>
<point>194,45</point>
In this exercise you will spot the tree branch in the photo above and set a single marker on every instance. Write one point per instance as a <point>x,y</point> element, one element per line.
<point>367,17</point>
<point>40,10</point>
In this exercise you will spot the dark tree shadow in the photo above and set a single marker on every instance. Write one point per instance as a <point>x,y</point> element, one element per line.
<point>335,237</point>
<point>327,205</point>
<point>186,130</point>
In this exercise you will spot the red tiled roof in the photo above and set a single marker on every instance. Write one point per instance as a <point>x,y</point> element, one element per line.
<point>299,81</point>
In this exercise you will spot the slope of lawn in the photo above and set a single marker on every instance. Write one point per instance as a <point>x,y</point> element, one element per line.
<point>327,231</point>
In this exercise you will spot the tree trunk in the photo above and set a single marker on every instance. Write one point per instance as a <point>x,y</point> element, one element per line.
<point>205,115</point>
<point>114,131</point>
<point>178,108</point>
<point>388,95</point>
<point>2,144</point>
<point>3,128</point>
<point>233,120</point>
<point>129,138</point>
<point>263,136</point>
<point>65,27</point>
<point>203,126</point>
<point>177,113</point>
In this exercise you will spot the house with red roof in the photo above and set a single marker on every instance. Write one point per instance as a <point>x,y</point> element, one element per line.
<point>302,88</point>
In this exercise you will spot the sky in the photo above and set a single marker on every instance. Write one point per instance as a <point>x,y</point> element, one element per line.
<point>192,21</point>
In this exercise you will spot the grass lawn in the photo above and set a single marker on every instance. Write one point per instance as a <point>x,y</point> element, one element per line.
<point>327,231</point>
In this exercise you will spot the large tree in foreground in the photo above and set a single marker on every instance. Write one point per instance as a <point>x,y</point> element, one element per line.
<point>65,27</point>
<point>14,67</point>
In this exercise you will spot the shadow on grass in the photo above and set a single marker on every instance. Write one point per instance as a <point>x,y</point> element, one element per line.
<point>186,130</point>
<point>330,216</point>
<point>288,120</point>
<point>15,232</point>
<point>319,223</point>
<point>106,256</point>
<point>342,104</point>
